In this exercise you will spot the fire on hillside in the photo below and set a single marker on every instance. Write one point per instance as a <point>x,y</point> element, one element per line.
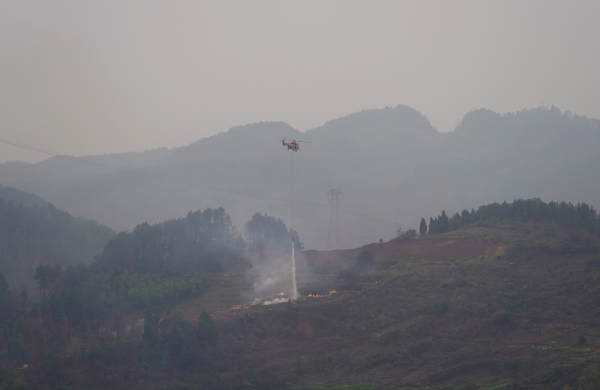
<point>321,295</point>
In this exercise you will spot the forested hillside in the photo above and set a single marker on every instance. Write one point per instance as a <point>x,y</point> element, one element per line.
<point>148,270</point>
<point>59,170</point>
<point>524,317</point>
<point>17,196</point>
<point>391,163</point>
<point>579,216</point>
<point>39,233</point>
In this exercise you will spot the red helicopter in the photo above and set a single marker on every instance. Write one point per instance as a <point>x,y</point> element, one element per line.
<point>293,144</point>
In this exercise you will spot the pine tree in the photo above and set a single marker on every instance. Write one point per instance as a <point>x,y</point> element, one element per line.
<point>444,223</point>
<point>165,362</point>
<point>189,357</point>
<point>466,217</point>
<point>207,330</point>
<point>423,227</point>
<point>151,348</point>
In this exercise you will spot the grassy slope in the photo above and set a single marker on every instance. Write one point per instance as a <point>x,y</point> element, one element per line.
<point>519,318</point>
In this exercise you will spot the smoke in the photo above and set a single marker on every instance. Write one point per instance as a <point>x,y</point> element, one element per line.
<point>274,278</point>
<point>274,301</point>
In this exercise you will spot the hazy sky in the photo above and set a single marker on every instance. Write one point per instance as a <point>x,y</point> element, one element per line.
<point>82,77</point>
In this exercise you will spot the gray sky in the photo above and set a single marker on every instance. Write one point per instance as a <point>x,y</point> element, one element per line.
<point>82,77</point>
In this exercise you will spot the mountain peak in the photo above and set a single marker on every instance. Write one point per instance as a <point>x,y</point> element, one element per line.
<point>248,139</point>
<point>388,124</point>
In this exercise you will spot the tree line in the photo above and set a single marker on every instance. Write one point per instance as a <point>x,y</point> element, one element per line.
<point>148,270</point>
<point>579,216</point>
<point>41,233</point>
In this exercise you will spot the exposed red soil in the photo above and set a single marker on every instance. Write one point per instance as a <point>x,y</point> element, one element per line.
<point>230,313</point>
<point>388,251</point>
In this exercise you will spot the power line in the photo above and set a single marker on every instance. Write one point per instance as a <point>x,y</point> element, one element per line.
<point>186,183</point>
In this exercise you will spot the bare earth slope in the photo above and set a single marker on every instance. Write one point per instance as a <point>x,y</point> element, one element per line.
<point>481,307</point>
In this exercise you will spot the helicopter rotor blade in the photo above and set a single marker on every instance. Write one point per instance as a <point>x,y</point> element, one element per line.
<point>295,140</point>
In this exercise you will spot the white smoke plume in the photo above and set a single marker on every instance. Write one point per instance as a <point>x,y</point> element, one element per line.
<point>273,276</point>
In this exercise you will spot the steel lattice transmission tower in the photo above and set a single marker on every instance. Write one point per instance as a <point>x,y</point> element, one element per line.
<point>334,197</point>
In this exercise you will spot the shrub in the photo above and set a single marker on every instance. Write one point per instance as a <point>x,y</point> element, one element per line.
<point>592,264</point>
<point>287,378</point>
<point>365,260</point>
<point>17,348</point>
<point>589,379</point>
<point>503,320</point>
<point>97,352</point>
<point>512,364</point>
<point>439,308</point>
<point>407,235</point>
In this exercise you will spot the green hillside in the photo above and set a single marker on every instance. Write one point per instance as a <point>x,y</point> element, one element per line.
<point>18,196</point>
<point>393,166</point>
<point>34,232</point>
<point>529,317</point>
<point>412,313</point>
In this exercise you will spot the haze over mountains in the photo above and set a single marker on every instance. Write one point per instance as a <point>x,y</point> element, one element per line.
<point>392,165</point>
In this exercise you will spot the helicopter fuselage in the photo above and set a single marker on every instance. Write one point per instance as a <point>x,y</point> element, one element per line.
<point>291,145</point>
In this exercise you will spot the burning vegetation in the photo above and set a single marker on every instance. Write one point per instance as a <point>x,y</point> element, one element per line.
<point>321,295</point>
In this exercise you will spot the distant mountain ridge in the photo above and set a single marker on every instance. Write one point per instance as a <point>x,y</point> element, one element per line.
<point>33,232</point>
<point>17,196</point>
<point>393,166</point>
<point>241,141</point>
<point>61,170</point>
<point>401,123</point>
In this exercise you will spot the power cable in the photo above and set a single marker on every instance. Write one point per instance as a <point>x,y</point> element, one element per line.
<point>189,184</point>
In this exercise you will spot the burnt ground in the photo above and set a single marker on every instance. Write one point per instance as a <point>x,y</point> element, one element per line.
<point>484,307</point>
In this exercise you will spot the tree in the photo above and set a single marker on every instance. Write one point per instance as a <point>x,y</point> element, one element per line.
<point>46,277</point>
<point>151,348</point>
<point>269,233</point>
<point>423,227</point>
<point>407,235</point>
<point>455,222</point>
<point>207,330</point>
<point>433,226</point>
<point>116,318</point>
<point>589,379</point>
<point>40,234</point>
<point>365,260</point>
<point>399,234</point>
<point>410,234</point>
<point>444,223</point>
<point>189,357</point>
<point>465,217</point>
<point>5,305</point>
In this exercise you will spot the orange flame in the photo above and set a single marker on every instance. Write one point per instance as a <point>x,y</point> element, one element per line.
<point>321,296</point>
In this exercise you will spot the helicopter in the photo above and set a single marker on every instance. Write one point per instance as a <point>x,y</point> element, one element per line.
<point>293,145</point>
